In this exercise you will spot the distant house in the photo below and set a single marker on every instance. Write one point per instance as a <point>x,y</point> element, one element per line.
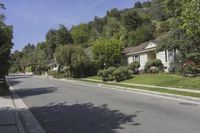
<point>53,66</point>
<point>147,51</point>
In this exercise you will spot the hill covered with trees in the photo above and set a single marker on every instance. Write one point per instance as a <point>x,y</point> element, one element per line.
<point>98,44</point>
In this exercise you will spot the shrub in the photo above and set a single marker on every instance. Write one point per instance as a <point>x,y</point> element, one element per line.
<point>134,67</point>
<point>107,74</point>
<point>122,73</point>
<point>56,74</point>
<point>113,73</point>
<point>190,67</point>
<point>117,74</point>
<point>111,70</point>
<point>100,73</point>
<point>154,66</point>
<point>28,69</point>
<point>195,57</point>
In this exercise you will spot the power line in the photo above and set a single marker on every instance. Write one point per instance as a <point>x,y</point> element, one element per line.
<point>83,11</point>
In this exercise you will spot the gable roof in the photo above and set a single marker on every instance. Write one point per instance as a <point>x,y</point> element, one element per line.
<point>136,48</point>
<point>141,47</point>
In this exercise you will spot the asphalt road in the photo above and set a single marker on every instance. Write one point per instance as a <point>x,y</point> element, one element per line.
<point>68,107</point>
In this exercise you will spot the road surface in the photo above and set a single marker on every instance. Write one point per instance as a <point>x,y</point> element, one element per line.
<point>68,107</point>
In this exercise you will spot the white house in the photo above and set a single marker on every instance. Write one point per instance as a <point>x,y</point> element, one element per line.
<point>53,67</point>
<point>147,51</point>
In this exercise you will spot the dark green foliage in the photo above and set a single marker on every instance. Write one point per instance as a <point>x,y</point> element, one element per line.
<point>107,51</point>
<point>122,73</point>
<point>131,20</point>
<point>107,36</point>
<point>6,35</point>
<point>134,67</point>
<point>158,10</point>
<point>107,74</point>
<point>100,73</point>
<point>111,70</point>
<point>140,35</point>
<point>58,37</point>
<point>164,27</point>
<point>195,57</point>
<point>154,66</point>
<point>174,7</point>
<point>138,4</point>
<point>56,74</point>
<point>114,13</point>
<point>81,34</point>
<point>177,39</point>
<point>113,73</point>
<point>189,67</point>
<point>79,63</point>
<point>118,75</point>
<point>184,35</point>
<point>146,4</point>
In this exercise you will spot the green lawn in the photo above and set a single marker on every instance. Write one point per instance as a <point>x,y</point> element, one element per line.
<point>166,80</point>
<point>182,93</point>
<point>95,78</point>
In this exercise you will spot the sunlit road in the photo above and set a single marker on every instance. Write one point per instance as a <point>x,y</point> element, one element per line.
<point>67,107</point>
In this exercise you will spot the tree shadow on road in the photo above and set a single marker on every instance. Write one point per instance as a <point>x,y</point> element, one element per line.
<point>26,92</point>
<point>81,118</point>
<point>13,80</point>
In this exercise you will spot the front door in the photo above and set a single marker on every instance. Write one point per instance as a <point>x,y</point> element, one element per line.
<point>151,55</point>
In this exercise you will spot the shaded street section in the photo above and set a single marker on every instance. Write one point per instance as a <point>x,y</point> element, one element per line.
<point>69,107</point>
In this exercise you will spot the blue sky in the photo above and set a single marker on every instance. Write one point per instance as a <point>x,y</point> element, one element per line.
<point>32,19</point>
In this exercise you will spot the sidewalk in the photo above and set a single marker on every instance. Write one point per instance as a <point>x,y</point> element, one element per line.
<point>8,120</point>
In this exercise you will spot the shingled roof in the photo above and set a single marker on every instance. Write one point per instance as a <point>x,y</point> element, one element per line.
<point>142,46</point>
<point>136,48</point>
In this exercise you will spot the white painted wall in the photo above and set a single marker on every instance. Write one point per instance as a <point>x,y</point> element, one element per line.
<point>130,59</point>
<point>143,60</point>
<point>150,45</point>
<point>161,56</point>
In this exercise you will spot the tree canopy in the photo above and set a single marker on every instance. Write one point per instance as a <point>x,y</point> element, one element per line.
<point>6,35</point>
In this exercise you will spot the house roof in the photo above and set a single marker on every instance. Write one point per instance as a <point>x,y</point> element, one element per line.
<point>141,47</point>
<point>136,48</point>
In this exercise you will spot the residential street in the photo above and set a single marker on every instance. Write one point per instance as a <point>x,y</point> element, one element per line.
<point>68,107</point>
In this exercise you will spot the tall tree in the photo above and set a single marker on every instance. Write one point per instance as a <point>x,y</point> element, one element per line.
<point>6,35</point>
<point>57,37</point>
<point>107,51</point>
<point>131,20</point>
<point>63,55</point>
<point>81,34</point>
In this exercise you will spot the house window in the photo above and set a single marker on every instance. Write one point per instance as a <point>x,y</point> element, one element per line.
<point>136,58</point>
<point>166,58</point>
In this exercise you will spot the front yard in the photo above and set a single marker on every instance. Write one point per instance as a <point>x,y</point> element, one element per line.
<point>163,79</point>
<point>166,80</point>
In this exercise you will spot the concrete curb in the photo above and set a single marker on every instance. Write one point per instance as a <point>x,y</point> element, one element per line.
<point>189,99</point>
<point>135,90</point>
<point>26,121</point>
<point>153,86</point>
<point>17,117</point>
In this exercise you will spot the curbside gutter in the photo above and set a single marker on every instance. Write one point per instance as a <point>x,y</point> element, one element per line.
<point>26,121</point>
<point>133,90</point>
<point>20,126</point>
